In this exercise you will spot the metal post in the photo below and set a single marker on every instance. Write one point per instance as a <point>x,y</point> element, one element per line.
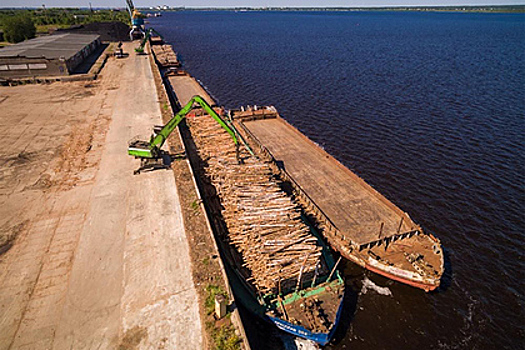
<point>301,273</point>
<point>315,274</point>
<point>400,224</point>
<point>333,270</point>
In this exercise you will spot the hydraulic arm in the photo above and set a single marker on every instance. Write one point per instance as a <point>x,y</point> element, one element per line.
<point>151,150</point>
<point>140,49</point>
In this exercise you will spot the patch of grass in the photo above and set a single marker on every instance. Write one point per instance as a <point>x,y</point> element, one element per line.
<point>45,28</point>
<point>224,337</point>
<point>212,291</point>
<point>195,205</point>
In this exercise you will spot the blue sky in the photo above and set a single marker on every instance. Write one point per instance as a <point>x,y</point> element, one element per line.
<point>230,3</point>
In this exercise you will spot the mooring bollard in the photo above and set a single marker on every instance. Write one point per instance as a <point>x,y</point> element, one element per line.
<point>220,306</point>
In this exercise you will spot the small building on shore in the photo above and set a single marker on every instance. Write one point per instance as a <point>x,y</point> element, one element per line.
<point>53,55</point>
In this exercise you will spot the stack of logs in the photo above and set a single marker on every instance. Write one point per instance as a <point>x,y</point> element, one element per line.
<point>165,55</point>
<point>263,223</point>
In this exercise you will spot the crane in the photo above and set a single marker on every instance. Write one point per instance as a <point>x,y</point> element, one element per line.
<point>137,22</point>
<point>149,152</point>
<point>140,48</point>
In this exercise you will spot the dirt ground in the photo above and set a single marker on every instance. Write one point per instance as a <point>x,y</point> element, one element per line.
<point>90,255</point>
<point>51,139</point>
<point>51,143</point>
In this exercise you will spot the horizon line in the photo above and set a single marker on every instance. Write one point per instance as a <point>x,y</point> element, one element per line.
<point>269,7</point>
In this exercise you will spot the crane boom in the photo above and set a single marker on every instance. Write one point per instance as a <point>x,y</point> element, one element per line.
<point>152,149</point>
<point>131,7</point>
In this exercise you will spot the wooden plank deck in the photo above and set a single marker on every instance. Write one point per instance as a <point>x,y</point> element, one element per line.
<point>355,208</point>
<point>185,87</point>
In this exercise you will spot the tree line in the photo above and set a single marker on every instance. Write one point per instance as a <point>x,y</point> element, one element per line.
<point>22,24</point>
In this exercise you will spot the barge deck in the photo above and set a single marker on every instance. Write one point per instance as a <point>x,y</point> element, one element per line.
<point>185,87</point>
<point>359,222</point>
<point>355,208</point>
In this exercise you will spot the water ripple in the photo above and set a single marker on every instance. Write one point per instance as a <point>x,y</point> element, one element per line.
<point>429,109</point>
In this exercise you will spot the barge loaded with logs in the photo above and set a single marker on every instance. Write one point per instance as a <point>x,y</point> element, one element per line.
<point>276,257</point>
<point>286,275</point>
<point>354,218</point>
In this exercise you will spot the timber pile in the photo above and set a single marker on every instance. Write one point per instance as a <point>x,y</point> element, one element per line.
<point>165,55</point>
<point>263,223</point>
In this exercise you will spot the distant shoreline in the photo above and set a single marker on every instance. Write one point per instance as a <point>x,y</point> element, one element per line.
<point>459,9</point>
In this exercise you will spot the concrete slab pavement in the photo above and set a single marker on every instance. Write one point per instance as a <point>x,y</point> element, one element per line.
<point>113,267</point>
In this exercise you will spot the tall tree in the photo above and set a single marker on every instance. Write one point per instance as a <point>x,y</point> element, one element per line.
<point>18,28</point>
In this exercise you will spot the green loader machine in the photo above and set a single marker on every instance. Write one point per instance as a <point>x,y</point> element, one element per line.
<point>140,48</point>
<point>150,153</point>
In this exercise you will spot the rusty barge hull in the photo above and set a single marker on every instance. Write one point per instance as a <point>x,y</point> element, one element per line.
<point>355,219</point>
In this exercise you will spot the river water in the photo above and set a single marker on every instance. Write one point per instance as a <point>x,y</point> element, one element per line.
<point>429,109</point>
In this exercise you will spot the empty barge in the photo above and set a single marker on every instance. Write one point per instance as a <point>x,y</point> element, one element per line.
<point>355,219</point>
